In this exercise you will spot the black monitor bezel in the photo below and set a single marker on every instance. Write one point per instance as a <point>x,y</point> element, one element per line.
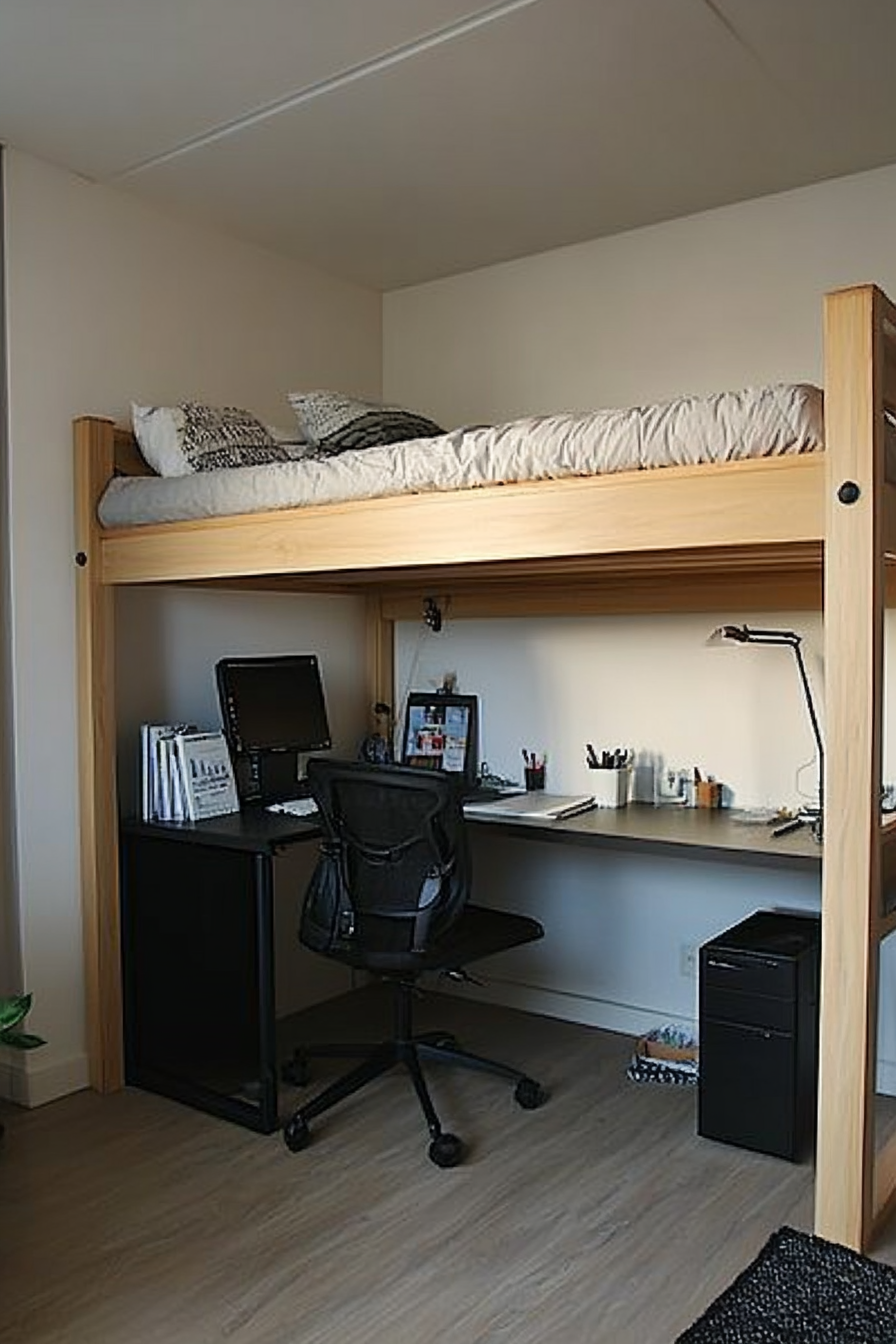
<point>232,729</point>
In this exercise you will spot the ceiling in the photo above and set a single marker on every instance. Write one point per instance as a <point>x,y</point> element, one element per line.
<point>397,141</point>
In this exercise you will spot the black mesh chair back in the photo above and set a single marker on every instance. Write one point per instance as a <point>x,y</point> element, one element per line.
<point>394,870</point>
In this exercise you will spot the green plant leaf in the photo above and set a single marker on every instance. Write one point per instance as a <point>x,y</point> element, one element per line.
<point>13,1009</point>
<point>20,1040</point>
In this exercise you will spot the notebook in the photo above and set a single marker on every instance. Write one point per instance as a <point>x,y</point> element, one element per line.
<point>441,732</point>
<point>534,806</point>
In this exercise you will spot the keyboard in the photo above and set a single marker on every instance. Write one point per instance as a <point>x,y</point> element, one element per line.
<point>295,807</point>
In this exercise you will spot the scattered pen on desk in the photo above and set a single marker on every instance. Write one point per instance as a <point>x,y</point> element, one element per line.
<point>793,825</point>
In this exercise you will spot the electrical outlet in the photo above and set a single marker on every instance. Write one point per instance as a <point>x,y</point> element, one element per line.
<point>687,960</point>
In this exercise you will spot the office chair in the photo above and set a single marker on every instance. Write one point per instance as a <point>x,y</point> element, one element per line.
<point>389,896</point>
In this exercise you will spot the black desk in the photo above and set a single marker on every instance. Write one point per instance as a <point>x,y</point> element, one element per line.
<point>198,960</point>
<point>197,933</point>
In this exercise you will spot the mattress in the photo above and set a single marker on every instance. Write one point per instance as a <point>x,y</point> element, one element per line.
<point>725,427</point>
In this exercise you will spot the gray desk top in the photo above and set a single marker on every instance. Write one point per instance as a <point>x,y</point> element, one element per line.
<point>690,832</point>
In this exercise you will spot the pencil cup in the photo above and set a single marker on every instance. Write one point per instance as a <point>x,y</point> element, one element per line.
<point>610,787</point>
<point>534,777</point>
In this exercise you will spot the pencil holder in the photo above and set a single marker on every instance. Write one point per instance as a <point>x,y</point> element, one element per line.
<point>534,775</point>
<point>610,787</point>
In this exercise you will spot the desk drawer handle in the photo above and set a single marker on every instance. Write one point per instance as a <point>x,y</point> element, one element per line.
<point>718,964</point>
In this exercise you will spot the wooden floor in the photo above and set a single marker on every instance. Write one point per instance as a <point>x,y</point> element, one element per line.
<point>599,1219</point>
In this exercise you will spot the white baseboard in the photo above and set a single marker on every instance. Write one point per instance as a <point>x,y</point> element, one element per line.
<point>12,1079</point>
<point>27,1081</point>
<point>626,1019</point>
<point>886,1077</point>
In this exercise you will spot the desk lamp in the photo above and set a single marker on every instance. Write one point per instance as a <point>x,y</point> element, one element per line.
<point>746,634</point>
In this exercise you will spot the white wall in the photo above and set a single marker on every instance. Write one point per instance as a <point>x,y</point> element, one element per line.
<point>109,301</point>
<point>729,298</point>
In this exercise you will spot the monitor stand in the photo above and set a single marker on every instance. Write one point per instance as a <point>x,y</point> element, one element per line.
<point>270,777</point>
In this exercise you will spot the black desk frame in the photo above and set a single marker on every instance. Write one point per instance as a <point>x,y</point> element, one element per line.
<point>180,880</point>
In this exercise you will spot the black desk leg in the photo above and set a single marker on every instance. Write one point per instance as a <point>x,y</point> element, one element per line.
<point>267,1014</point>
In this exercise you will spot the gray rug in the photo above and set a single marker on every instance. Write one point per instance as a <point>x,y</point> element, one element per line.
<point>803,1290</point>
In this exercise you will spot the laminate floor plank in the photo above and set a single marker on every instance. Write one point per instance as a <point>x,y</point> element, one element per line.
<point>600,1218</point>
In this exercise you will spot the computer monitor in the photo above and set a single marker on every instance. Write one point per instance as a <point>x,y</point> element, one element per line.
<point>274,714</point>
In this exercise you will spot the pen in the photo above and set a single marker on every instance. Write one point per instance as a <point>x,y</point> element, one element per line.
<point>591,755</point>
<point>788,826</point>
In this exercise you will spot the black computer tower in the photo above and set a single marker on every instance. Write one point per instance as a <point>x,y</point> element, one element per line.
<point>759,1033</point>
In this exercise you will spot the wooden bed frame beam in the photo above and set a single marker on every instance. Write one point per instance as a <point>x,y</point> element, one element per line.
<point>745,504</point>
<point>95,610</point>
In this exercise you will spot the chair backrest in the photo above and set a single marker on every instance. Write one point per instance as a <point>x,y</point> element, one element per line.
<point>394,871</point>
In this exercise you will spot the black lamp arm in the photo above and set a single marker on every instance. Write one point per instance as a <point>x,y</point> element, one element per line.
<point>748,634</point>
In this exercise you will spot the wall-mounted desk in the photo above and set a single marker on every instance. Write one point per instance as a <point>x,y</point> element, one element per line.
<point>197,934</point>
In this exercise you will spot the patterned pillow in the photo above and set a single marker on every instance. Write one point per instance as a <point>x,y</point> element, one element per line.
<point>178,440</point>
<point>334,422</point>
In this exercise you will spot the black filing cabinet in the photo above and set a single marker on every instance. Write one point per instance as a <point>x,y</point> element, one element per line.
<point>759,1033</point>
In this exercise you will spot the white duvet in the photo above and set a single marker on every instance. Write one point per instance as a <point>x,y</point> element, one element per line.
<point>726,427</point>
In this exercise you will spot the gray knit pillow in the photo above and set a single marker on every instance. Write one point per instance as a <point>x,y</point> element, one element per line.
<point>334,422</point>
<point>178,440</point>
<point>226,436</point>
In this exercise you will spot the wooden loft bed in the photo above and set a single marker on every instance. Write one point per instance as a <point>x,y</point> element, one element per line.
<point>747,534</point>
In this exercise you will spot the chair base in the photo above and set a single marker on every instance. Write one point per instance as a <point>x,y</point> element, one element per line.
<point>410,1051</point>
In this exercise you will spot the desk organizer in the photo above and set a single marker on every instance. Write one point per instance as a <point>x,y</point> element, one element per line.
<point>708,793</point>
<point>610,787</point>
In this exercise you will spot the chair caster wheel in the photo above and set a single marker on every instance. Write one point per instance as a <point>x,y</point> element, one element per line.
<point>446,1150</point>
<point>296,1134</point>
<point>296,1072</point>
<point>529,1094</point>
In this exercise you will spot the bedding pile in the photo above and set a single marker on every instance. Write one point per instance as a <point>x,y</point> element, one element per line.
<point>726,427</point>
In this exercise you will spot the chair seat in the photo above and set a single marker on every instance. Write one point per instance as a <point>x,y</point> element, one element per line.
<point>479,932</point>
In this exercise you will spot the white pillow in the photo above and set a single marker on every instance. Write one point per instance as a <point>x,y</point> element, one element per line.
<point>178,440</point>
<point>159,431</point>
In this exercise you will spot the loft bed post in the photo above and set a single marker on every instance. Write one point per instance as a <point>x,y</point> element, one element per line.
<point>854,1183</point>
<point>95,611</point>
